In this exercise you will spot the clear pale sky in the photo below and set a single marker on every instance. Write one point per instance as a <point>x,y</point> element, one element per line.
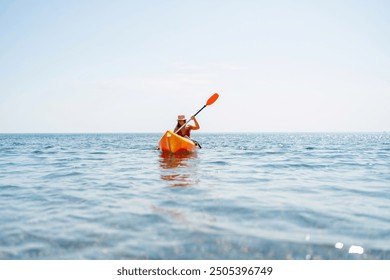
<point>133,66</point>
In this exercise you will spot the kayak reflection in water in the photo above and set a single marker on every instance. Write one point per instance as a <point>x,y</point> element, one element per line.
<point>179,170</point>
<point>185,130</point>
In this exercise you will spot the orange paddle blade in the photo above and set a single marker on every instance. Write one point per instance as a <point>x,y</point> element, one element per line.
<point>212,99</point>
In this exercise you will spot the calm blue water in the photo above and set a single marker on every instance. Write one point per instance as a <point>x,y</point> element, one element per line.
<point>252,196</point>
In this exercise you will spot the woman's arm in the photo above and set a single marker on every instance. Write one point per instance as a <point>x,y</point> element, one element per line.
<point>196,127</point>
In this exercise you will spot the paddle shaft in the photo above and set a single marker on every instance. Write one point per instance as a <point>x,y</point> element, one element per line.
<point>210,101</point>
<point>190,119</point>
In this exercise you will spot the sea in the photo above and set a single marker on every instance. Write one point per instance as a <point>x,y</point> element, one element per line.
<point>274,196</point>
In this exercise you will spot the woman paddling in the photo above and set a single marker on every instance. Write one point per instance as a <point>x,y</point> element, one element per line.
<point>185,131</point>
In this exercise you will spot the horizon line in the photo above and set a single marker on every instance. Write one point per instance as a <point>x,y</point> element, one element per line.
<point>203,132</point>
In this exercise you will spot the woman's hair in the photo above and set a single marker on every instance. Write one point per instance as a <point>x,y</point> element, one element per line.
<point>178,124</point>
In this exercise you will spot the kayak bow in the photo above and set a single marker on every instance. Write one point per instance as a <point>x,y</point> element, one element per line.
<point>170,142</point>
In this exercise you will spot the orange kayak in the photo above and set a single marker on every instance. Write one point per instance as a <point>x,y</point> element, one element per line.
<point>170,142</point>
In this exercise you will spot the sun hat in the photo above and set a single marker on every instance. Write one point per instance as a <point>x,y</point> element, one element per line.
<point>181,118</point>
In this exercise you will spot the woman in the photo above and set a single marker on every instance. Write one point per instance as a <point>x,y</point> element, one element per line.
<point>186,130</point>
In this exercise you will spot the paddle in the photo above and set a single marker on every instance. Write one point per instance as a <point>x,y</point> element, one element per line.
<point>210,101</point>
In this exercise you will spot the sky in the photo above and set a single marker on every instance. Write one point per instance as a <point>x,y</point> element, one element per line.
<point>133,66</point>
